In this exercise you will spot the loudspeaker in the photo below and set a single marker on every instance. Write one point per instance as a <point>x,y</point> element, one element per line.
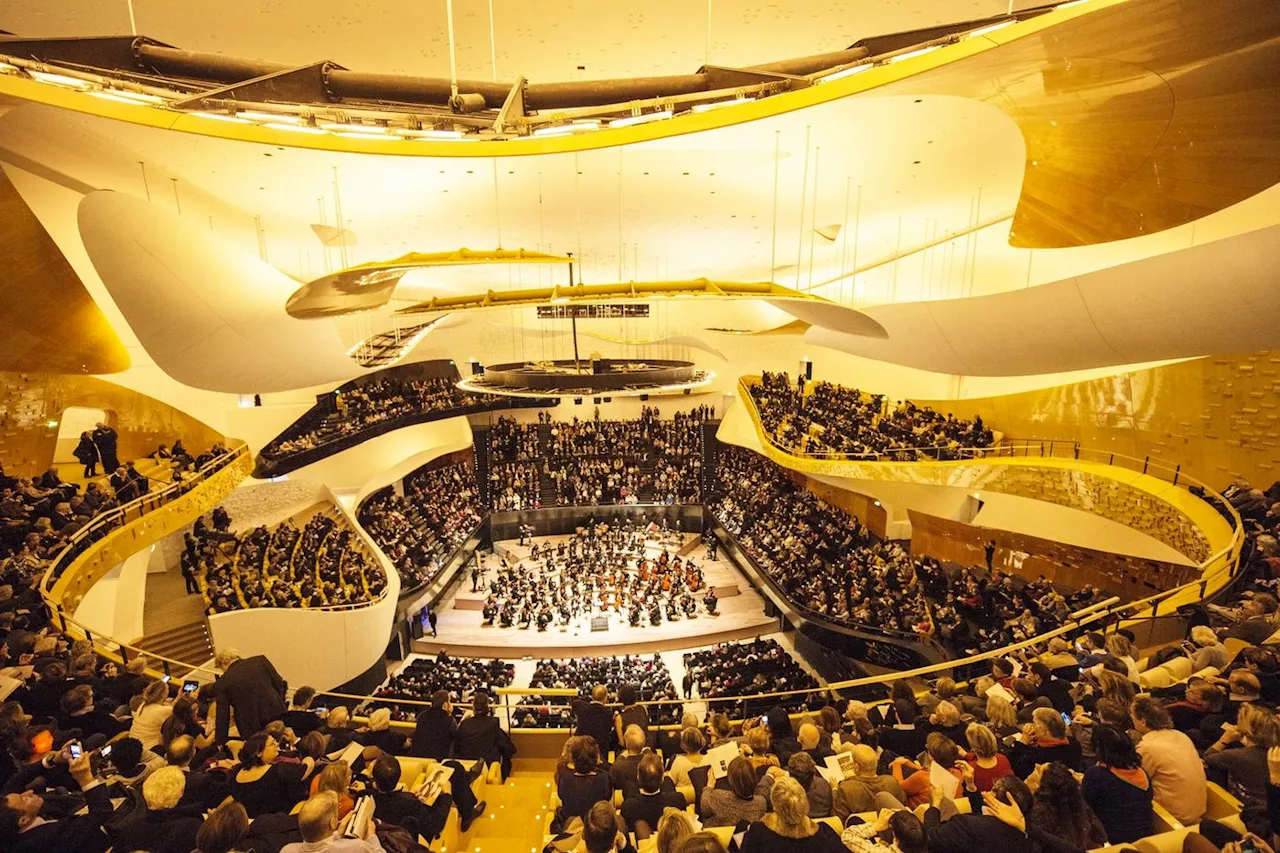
<point>595,400</point>
<point>577,401</point>
<point>600,623</point>
<point>644,398</point>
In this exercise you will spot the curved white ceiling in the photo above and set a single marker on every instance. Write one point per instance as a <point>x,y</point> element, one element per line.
<point>209,314</point>
<point>1216,298</point>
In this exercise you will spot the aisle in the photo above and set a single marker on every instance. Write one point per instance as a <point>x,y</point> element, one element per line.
<point>516,813</point>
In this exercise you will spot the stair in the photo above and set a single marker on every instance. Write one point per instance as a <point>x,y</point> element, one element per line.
<point>187,643</point>
<point>480,453</point>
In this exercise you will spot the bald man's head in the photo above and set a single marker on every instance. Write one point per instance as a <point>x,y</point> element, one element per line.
<point>866,758</point>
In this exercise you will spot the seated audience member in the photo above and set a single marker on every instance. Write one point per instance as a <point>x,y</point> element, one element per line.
<point>481,737</point>
<point>915,779</point>
<point>150,717</point>
<point>703,842</point>
<point>858,793</point>
<point>580,778</point>
<point>1205,650</point>
<point>1170,760</point>
<point>809,739</point>
<point>132,763</point>
<point>1004,824</point>
<point>79,712</point>
<point>203,790</point>
<point>26,826</point>
<point>1001,716</point>
<point>673,828</point>
<point>183,721</point>
<point>1045,740</point>
<point>1243,770</point>
<point>381,735</point>
<point>788,827</point>
<point>223,830</point>
<point>1117,789</point>
<point>594,720</point>
<point>336,779</point>
<point>1060,810</point>
<point>988,763</point>
<point>402,808</point>
<point>632,713</point>
<point>818,791</point>
<point>1061,661</point>
<point>905,829</point>
<point>757,750</point>
<point>1050,687</point>
<point>648,801</point>
<point>782,738</point>
<point>622,774</point>
<point>692,745</point>
<point>904,738</point>
<point>743,799</point>
<point>600,833</point>
<point>1256,619</point>
<point>318,823</point>
<point>337,730</point>
<point>164,828</point>
<point>944,690</point>
<point>945,719</point>
<point>435,730</point>
<point>262,784</point>
<point>300,718</point>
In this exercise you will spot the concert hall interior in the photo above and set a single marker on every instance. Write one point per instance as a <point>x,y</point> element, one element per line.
<point>469,425</point>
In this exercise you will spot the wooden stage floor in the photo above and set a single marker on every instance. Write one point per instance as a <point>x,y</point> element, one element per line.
<point>741,617</point>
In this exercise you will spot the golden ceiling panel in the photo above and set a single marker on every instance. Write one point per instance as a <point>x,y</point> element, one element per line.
<point>52,324</point>
<point>1139,117</point>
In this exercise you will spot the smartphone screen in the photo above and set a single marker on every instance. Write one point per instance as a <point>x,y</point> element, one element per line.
<point>1066,718</point>
<point>105,752</point>
<point>74,750</point>
<point>166,679</point>
<point>190,686</point>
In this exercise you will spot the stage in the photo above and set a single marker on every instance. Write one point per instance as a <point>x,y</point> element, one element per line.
<point>740,616</point>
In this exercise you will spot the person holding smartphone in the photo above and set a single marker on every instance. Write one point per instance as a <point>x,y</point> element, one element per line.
<point>23,829</point>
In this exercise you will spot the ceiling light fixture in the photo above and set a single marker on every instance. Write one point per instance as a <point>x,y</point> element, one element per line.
<point>991,29</point>
<point>1069,5</point>
<point>847,72</point>
<point>60,80</point>
<point>7,68</point>
<point>140,97</point>
<point>628,121</point>
<point>353,129</point>
<point>296,128</point>
<point>912,54</point>
<point>278,118</point>
<point>432,134</point>
<point>223,117</point>
<point>715,105</point>
<point>568,129</point>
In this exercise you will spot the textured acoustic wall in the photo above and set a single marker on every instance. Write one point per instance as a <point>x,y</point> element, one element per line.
<point>1030,556</point>
<point>1218,417</point>
<point>30,402</point>
<point>866,509</point>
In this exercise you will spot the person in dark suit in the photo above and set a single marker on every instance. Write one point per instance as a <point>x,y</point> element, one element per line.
<point>406,810</point>
<point>24,830</point>
<point>648,802</point>
<point>594,719</point>
<point>481,737</point>
<point>300,718</point>
<point>251,688</point>
<point>202,790</point>
<point>434,734</point>
<point>105,438</point>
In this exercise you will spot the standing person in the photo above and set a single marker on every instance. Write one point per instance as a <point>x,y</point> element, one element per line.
<point>86,453</point>
<point>249,687</point>
<point>990,550</point>
<point>431,620</point>
<point>188,573</point>
<point>105,438</point>
<point>687,684</point>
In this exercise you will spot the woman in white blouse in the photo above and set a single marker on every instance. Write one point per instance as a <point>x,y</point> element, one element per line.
<point>150,716</point>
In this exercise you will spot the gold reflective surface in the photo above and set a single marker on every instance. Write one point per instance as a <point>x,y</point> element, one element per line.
<point>1137,117</point>
<point>51,323</point>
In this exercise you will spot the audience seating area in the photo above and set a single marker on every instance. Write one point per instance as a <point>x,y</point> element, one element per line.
<point>323,563</point>
<point>647,675</point>
<point>593,462</point>
<point>823,419</point>
<point>828,563</point>
<point>420,530</point>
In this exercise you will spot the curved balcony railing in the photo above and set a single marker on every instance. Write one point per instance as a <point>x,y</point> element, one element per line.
<point>103,523</point>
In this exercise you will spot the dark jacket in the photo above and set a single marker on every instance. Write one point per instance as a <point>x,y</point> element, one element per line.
<point>407,811</point>
<point>251,688</point>
<point>434,734</point>
<point>594,720</point>
<point>163,831</point>
<point>483,738</point>
<point>81,833</point>
<point>649,807</point>
<point>302,722</point>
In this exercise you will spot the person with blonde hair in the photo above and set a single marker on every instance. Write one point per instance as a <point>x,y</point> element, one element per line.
<point>1206,650</point>
<point>702,842</point>
<point>150,717</point>
<point>1243,771</point>
<point>1001,716</point>
<point>335,778</point>
<point>788,827</point>
<point>988,763</point>
<point>674,827</point>
<point>946,720</point>
<point>692,744</point>
<point>164,827</point>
